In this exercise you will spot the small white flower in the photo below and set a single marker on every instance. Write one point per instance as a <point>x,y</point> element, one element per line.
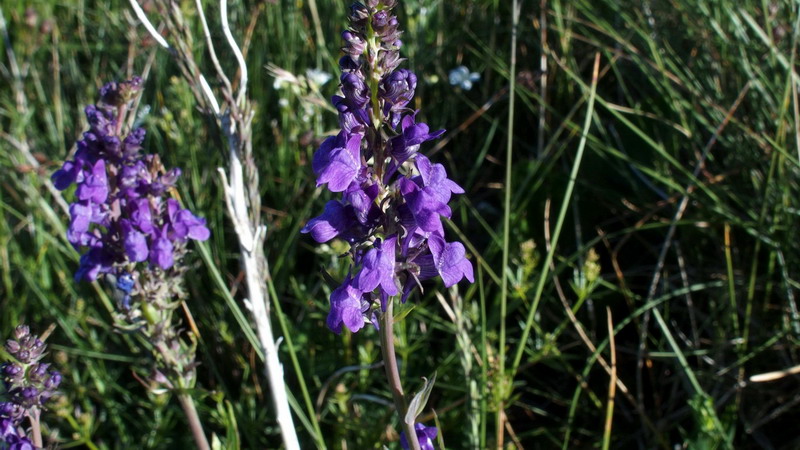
<point>463,78</point>
<point>318,77</point>
<point>283,103</point>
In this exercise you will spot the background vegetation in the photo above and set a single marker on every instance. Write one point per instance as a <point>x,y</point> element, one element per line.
<point>681,225</point>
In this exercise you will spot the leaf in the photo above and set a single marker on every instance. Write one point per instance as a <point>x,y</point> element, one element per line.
<point>419,401</point>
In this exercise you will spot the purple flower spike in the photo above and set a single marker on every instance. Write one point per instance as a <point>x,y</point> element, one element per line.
<point>425,435</point>
<point>123,219</point>
<point>392,197</point>
<point>346,308</point>
<point>28,384</point>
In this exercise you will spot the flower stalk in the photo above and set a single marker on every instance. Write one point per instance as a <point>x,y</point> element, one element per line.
<point>393,374</point>
<point>187,403</point>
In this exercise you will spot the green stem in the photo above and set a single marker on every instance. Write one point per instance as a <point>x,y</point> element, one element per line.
<point>507,223</point>
<point>186,401</point>
<point>194,421</point>
<point>393,374</point>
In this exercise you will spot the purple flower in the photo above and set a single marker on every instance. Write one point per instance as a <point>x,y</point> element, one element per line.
<point>450,261</point>
<point>93,263</point>
<point>82,215</point>
<point>362,199</point>
<point>184,224</point>
<point>397,89</point>
<point>28,383</point>
<point>95,185</point>
<point>66,175</point>
<point>335,220</point>
<point>140,215</point>
<point>10,439</point>
<point>406,144</point>
<point>347,307</point>
<point>426,207</point>
<point>425,435</point>
<point>378,268</point>
<point>10,410</point>
<point>339,167</point>
<point>136,246</point>
<point>161,251</point>
<point>354,44</point>
<point>52,381</point>
<point>356,93</point>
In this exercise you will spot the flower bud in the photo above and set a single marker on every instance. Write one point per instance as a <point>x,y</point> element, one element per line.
<point>38,372</point>
<point>12,346</point>
<point>53,381</point>
<point>11,370</point>
<point>8,409</point>
<point>23,356</point>
<point>29,396</point>
<point>21,331</point>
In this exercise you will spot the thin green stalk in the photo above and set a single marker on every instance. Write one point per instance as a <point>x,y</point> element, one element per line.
<point>244,324</point>
<point>543,276</point>
<point>612,386</point>
<point>194,421</point>
<point>484,359</point>
<point>731,282</point>
<point>515,11</point>
<point>751,287</point>
<point>393,374</point>
<point>295,363</point>
<point>186,401</point>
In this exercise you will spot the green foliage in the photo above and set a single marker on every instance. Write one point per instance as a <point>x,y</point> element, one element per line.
<point>696,99</point>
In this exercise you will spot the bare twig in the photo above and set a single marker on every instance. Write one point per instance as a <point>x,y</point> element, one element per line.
<point>148,25</point>
<point>777,375</point>
<point>236,51</point>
